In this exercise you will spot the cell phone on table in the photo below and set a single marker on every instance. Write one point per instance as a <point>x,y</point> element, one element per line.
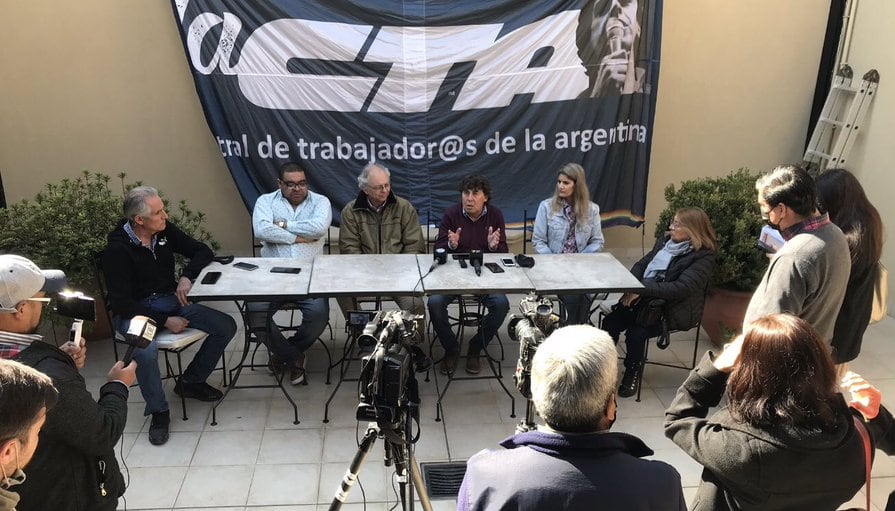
<point>245,266</point>
<point>285,269</point>
<point>507,261</point>
<point>494,267</point>
<point>211,277</point>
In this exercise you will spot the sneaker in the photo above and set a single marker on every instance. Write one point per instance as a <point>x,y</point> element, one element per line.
<point>201,391</point>
<point>297,371</point>
<point>158,428</point>
<point>630,380</point>
<point>449,363</point>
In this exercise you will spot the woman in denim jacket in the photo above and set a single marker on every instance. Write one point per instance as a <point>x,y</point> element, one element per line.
<point>569,223</point>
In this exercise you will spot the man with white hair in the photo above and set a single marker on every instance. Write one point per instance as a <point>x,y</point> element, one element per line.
<point>380,222</point>
<point>574,462</point>
<point>139,267</point>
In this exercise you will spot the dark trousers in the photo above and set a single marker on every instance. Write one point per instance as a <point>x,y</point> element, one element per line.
<point>621,319</point>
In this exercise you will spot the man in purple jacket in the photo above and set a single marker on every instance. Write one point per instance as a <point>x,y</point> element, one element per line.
<point>471,225</point>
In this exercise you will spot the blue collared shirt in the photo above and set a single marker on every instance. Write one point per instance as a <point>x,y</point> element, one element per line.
<point>310,220</point>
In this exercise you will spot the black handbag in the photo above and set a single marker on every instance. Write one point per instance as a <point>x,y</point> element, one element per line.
<point>648,311</point>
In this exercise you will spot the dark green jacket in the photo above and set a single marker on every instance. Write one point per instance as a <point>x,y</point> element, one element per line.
<point>394,231</point>
<point>74,463</point>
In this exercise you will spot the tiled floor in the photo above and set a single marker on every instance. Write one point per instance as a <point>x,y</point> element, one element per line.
<point>256,459</point>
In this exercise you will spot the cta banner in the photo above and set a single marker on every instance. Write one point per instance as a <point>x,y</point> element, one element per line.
<point>434,91</point>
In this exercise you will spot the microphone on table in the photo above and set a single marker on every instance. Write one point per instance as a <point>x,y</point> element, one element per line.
<point>139,334</point>
<point>476,257</point>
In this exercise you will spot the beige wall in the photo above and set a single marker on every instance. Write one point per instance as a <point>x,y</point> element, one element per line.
<point>104,85</point>
<point>871,158</point>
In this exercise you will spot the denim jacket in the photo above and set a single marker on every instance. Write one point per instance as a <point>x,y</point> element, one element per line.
<point>551,229</point>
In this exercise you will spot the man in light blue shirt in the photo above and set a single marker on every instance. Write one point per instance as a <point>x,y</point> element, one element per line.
<point>291,222</point>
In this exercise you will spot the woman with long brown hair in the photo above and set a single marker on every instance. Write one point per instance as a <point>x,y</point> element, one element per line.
<point>841,196</point>
<point>786,440</point>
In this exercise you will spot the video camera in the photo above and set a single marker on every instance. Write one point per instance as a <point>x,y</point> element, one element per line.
<point>536,321</point>
<point>387,387</point>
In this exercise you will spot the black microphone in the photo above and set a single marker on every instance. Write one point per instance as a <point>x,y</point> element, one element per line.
<point>139,334</point>
<point>476,257</point>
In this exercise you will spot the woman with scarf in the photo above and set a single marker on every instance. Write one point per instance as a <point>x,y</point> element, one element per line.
<point>569,223</point>
<point>677,271</point>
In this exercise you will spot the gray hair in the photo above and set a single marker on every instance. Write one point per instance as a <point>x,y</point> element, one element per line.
<point>135,201</point>
<point>364,178</point>
<point>573,378</point>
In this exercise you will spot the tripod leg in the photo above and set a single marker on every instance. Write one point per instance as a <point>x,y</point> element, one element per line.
<point>350,478</point>
<point>417,480</point>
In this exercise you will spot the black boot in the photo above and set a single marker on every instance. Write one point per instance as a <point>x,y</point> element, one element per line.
<point>630,382</point>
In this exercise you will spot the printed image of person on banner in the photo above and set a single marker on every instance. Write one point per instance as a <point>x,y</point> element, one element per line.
<point>608,37</point>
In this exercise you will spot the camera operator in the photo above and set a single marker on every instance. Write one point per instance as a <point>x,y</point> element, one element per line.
<point>575,462</point>
<point>74,466</point>
<point>25,397</point>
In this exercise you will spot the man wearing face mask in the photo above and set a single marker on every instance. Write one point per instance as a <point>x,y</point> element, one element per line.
<point>575,462</point>
<point>25,397</point>
<point>808,276</point>
<point>74,468</point>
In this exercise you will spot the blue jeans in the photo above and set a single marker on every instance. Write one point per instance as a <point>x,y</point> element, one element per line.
<point>314,317</point>
<point>220,328</point>
<point>496,305</point>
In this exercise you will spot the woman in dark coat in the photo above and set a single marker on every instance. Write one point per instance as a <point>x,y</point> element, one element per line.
<point>786,440</point>
<point>840,194</point>
<point>677,270</point>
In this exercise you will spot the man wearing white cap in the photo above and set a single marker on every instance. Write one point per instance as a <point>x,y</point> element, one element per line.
<point>74,466</point>
<point>23,287</point>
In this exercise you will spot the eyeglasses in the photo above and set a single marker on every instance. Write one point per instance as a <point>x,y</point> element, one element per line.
<point>293,186</point>
<point>674,224</point>
<point>45,301</point>
<point>380,188</point>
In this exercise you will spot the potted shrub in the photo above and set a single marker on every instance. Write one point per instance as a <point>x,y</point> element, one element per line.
<point>67,222</point>
<point>731,204</point>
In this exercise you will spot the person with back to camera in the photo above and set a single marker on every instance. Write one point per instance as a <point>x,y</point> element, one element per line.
<point>25,397</point>
<point>575,462</point>
<point>569,223</point>
<point>840,195</point>
<point>677,270</point>
<point>786,440</point>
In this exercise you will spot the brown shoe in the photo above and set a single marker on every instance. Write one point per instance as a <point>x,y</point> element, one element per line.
<point>473,361</point>
<point>297,371</point>
<point>449,363</point>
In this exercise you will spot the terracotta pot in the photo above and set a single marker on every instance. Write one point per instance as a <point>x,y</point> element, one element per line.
<point>101,329</point>
<point>723,313</point>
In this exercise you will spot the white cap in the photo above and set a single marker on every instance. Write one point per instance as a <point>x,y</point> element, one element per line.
<point>21,279</point>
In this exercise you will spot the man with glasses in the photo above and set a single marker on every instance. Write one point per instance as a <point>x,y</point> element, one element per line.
<point>74,465</point>
<point>291,222</point>
<point>808,276</point>
<point>380,222</point>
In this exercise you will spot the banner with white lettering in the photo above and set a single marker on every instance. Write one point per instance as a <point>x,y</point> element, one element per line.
<point>434,91</point>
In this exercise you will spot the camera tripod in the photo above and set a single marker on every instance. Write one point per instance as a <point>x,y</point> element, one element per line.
<point>398,450</point>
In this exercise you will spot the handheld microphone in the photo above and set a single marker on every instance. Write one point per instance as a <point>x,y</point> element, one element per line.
<point>139,334</point>
<point>615,34</point>
<point>476,257</point>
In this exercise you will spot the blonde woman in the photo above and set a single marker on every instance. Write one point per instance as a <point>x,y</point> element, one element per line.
<point>569,223</point>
